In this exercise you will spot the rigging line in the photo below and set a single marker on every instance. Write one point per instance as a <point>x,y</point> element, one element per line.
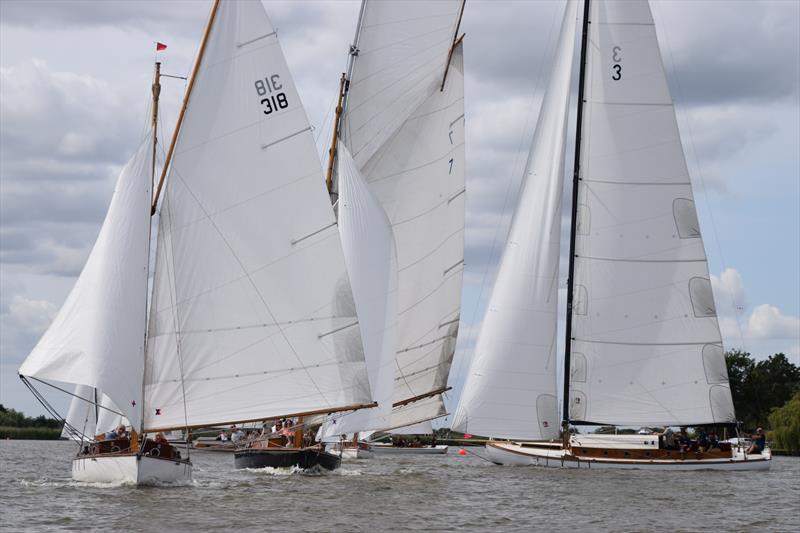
<point>702,180</point>
<point>173,295</point>
<point>464,362</point>
<point>250,279</point>
<point>100,405</point>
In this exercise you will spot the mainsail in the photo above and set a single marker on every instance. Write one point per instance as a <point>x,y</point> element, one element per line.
<point>252,314</point>
<point>646,345</point>
<point>97,338</point>
<point>510,390</point>
<point>404,126</point>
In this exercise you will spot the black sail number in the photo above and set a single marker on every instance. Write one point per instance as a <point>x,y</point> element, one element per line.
<point>268,88</point>
<point>616,68</point>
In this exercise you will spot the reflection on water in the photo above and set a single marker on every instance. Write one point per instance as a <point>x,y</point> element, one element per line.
<point>425,493</point>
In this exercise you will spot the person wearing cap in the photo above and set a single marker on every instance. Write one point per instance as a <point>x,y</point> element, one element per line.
<point>759,442</point>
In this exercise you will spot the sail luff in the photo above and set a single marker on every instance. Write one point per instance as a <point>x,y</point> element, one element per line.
<point>573,216</point>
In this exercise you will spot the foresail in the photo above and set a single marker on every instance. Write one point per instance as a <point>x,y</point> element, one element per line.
<point>371,261</point>
<point>646,346</point>
<point>407,139</point>
<point>510,390</point>
<point>90,412</point>
<point>253,314</point>
<point>97,338</point>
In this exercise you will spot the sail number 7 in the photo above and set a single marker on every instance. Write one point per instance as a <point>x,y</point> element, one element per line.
<point>268,89</point>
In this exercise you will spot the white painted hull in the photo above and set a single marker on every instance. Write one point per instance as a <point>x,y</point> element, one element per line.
<point>388,449</point>
<point>142,470</point>
<point>353,454</point>
<point>509,453</point>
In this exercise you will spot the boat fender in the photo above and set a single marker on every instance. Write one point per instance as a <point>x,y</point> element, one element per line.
<point>155,452</point>
<point>95,449</point>
<point>115,449</point>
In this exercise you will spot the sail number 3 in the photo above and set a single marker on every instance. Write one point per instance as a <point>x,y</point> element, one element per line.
<point>272,99</point>
<point>616,68</point>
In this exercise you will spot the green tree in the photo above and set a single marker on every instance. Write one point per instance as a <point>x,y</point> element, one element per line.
<point>785,424</point>
<point>759,387</point>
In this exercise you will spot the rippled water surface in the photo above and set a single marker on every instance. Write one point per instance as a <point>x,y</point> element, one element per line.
<point>426,493</point>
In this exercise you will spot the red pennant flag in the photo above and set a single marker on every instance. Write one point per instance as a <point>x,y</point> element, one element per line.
<point>160,46</point>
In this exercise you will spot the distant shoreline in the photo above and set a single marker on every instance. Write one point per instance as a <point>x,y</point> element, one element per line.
<point>29,433</point>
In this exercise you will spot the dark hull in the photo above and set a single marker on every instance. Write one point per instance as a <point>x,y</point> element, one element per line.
<point>282,458</point>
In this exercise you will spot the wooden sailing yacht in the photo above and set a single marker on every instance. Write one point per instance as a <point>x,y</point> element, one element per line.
<point>396,176</point>
<point>643,346</point>
<point>251,314</point>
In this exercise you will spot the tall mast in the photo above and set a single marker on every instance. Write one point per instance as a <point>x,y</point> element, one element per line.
<point>344,85</point>
<point>574,221</point>
<point>185,103</point>
<point>154,124</point>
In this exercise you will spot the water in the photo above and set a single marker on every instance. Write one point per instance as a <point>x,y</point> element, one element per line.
<point>411,493</point>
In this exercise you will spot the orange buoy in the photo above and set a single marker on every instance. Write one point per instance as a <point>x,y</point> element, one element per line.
<point>462,451</point>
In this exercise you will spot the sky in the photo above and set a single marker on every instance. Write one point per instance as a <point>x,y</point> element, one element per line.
<point>75,87</point>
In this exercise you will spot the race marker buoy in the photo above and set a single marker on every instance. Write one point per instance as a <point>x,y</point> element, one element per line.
<point>462,451</point>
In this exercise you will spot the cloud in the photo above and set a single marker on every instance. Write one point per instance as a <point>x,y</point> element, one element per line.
<point>767,322</point>
<point>24,320</point>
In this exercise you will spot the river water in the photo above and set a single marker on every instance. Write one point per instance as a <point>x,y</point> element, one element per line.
<point>411,493</point>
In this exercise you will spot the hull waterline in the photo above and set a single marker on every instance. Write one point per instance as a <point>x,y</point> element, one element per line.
<point>131,468</point>
<point>512,453</point>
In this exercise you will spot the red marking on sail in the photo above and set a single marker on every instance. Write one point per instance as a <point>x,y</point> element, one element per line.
<point>467,435</point>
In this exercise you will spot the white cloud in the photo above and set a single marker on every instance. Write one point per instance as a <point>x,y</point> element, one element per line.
<point>767,322</point>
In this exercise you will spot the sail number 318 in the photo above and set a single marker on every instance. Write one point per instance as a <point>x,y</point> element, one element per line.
<point>268,88</point>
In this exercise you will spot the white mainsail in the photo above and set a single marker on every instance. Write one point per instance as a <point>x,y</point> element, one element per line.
<point>406,136</point>
<point>646,345</point>
<point>371,260</point>
<point>510,390</point>
<point>97,338</point>
<point>252,314</point>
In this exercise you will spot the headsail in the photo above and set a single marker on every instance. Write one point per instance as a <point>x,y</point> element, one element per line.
<point>371,260</point>
<point>510,390</point>
<point>252,313</point>
<point>90,412</point>
<point>646,345</point>
<point>406,136</point>
<point>97,338</point>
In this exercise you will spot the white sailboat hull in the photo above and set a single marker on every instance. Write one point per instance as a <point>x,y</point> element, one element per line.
<point>139,470</point>
<point>388,449</point>
<point>511,453</point>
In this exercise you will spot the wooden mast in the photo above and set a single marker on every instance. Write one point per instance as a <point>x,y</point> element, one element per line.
<point>335,139</point>
<point>456,41</point>
<point>185,103</point>
<point>574,224</point>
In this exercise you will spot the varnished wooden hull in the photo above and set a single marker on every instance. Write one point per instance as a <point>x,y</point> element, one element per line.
<point>304,458</point>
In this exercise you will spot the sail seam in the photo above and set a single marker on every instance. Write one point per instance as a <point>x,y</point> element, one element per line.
<point>273,143</point>
<point>301,239</point>
<point>337,330</point>
<point>443,157</point>
<point>621,343</point>
<point>251,41</point>
<point>623,260</point>
<point>611,182</point>
<point>433,251</point>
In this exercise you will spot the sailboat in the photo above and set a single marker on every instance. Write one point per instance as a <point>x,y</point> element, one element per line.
<point>396,177</point>
<point>251,314</point>
<point>643,345</point>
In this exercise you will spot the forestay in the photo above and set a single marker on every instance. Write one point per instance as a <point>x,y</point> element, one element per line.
<point>510,390</point>
<point>253,315</point>
<point>646,346</point>
<point>97,338</point>
<point>371,260</point>
<point>407,139</point>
